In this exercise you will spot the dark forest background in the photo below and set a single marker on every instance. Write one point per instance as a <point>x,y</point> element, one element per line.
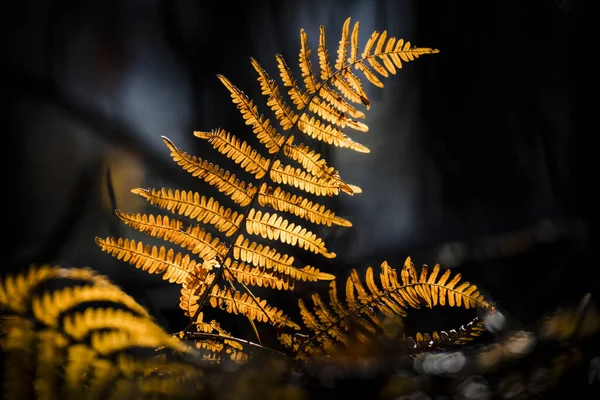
<point>479,159</point>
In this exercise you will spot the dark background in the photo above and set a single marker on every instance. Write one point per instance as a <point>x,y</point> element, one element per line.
<point>479,158</point>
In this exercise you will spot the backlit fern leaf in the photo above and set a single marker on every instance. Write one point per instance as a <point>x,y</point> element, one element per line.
<point>73,334</point>
<point>320,111</point>
<point>368,304</point>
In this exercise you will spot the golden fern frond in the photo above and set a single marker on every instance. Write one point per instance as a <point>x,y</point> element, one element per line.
<point>299,206</point>
<point>267,257</point>
<point>79,325</point>
<point>215,349</point>
<point>284,114</point>
<point>298,178</point>
<point>193,205</point>
<point>224,181</point>
<point>275,227</point>
<point>194,239</point>
<point>321,110</point>
<point>237,303</point>
<point>15,289</point>
<point>261,125</point>
<point>238,151</point>
<point>49,307</point>
<point>367,304</point>
<point>63,340</point>
<point>174,267</point>
<point>256,276</point>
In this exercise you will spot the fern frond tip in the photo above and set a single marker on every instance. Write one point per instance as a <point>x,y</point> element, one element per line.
<point>140,192</point>
<point>202,134</point>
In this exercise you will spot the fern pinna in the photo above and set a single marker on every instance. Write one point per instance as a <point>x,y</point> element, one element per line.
<point>321,107</point>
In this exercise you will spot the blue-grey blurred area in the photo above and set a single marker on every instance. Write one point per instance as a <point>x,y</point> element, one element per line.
<point>474,158</point>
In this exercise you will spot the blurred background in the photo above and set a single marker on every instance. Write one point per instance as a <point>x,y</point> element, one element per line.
<point>475,156</point>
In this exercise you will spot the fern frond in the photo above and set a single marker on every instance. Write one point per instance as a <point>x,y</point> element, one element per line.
<point>256,276</point>
<point>264,256</point>
<point>174,267</point>
<point>328,134</point>
<point>16,289</point>
<point>262,127</point>
<point>80,325</point>
<point>237,303</point>
<point>224,181</point>
<point>216,349</point>
<point>239,151</point>
<point>443,339</point>
<point>303,180</point>
<point>191,204</point>
<point>49,307</point>
<point>366,304</point>
<point>62,342</point>
<point>275,227</point>
<point>321,110</point>
<point>241,303</point>
<point>299,206</point>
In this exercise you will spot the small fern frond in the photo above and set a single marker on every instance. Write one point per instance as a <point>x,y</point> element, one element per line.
<point>73,336</point>
<point>321,110</point>
<point>368,304</point>
<point>238,151</point>
<point>216,349</point>
<point>224,181</point>
<point>299,206</point>
<point>303,180</point>
<point>275,227</point>
<point>234,302</point>
<point>282,264</point>
<point>262,127</point>
<point>193,205</point>
<point>256,276</point>
<point>174,267</point>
